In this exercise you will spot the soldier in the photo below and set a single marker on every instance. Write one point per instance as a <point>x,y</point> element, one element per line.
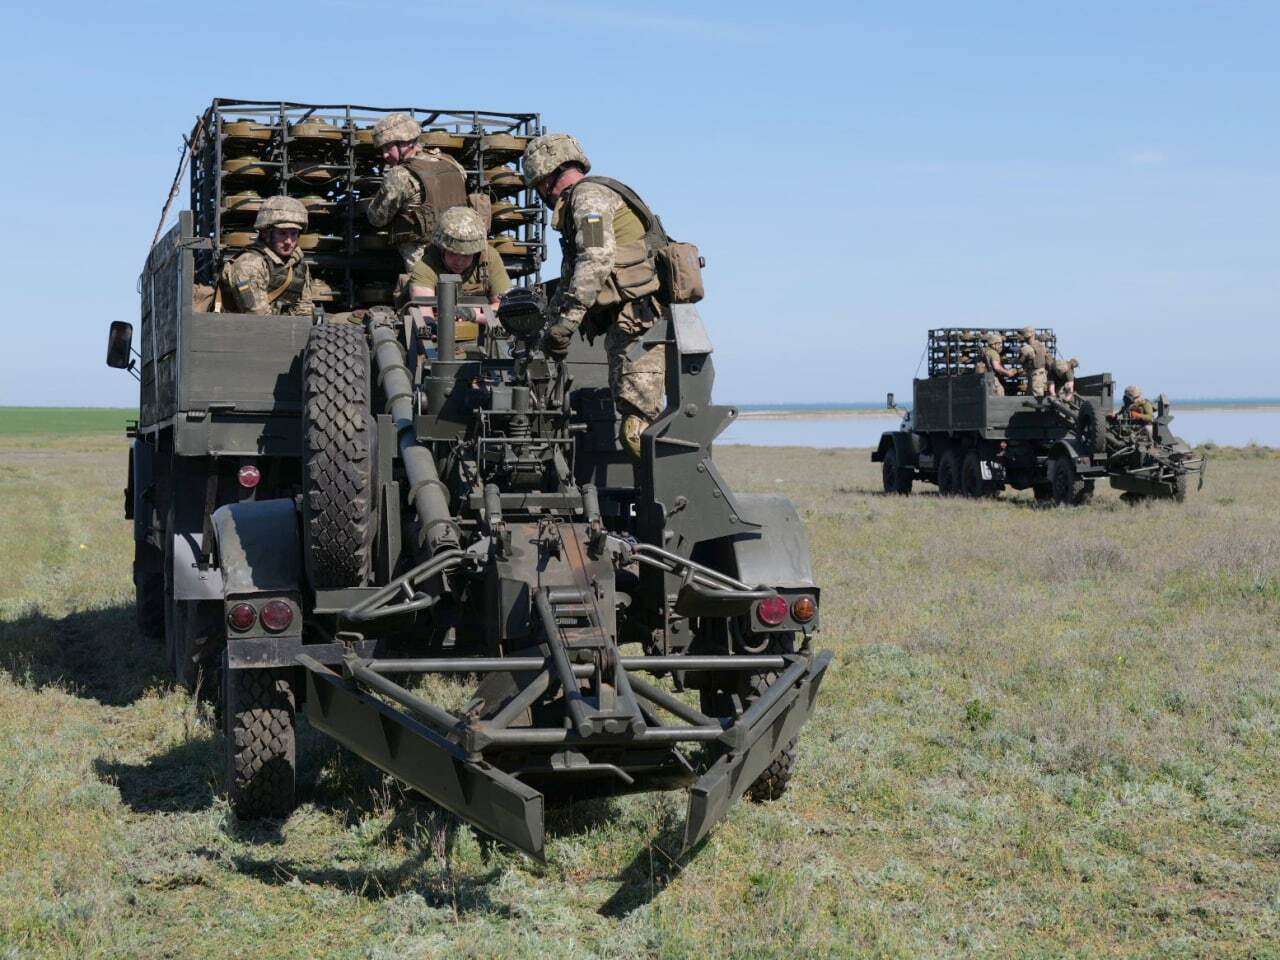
<point>1135,407</point>
<point>608,277</point>
<point>1063,382</point>
<point>271,277</point>
<point>460,247</point>
<point>418,185</point>
<point>991,363</point>
<point>1035,358</point>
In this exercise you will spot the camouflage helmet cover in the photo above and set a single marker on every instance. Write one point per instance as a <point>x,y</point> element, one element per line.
<point>396,128</point>
<point>1132,392</point>
<point>1029,332</point>
<point>460,230</point>
<point>993,339</point>
<point>281,212</point>
<point>549,152</point>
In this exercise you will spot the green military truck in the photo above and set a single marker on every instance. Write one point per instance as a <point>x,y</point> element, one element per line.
<point>328,508</point>
<point>968,440</point>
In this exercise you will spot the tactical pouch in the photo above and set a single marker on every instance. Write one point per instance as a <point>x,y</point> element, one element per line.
<point>633,276</point>
<point>680,273</point>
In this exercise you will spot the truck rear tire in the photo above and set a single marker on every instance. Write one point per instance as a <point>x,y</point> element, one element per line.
<point>896,479</point>
<point>338,455</point>
<point>259,721</point>
<point>949,473</point>
<point>148,590</point>
<point>971,482</point>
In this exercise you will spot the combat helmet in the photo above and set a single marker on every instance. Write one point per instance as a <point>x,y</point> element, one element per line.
<point>396,128</point>
<point>1028,332</point>
<point>281,212</point>
<point>993,338</point>
<point>1132,392</point>
<point>549,152</point>
<point>460,230</point>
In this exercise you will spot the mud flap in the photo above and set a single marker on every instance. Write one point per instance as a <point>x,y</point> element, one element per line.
<point>721,786</point>
<point>412,752</point>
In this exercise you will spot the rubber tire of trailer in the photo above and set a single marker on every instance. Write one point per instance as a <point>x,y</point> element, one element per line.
<point>1067,489</point>
<point>338,454</point>
<point>259,720</point>
<point>896,479</point>
<point>773,782</point>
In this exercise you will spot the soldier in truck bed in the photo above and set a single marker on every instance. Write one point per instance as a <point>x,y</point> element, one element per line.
<point>271,277</point>
<point>991,363</point>
<point>609,279</point>
<point>417,187</point>
<point>1035,359</point>
<point>1062,380</point>
<point>460,247</point>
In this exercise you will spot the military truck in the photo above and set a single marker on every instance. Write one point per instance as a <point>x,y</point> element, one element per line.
<point>328,508</point>
<point>963,436</point>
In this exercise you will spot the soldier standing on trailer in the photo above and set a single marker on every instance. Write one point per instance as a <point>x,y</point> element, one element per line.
<point>1035,359</point>
<point>417,187</point>
<point>271,277</point>
<point>460,247</point>
<point>609,278</point>
<point>1063,383</point>
<point>991,363</point>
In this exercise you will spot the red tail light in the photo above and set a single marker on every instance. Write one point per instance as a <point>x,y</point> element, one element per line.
<point>772,611</point>
<point>249,476</point>
<point>277,616</point>
<point>242,617</point>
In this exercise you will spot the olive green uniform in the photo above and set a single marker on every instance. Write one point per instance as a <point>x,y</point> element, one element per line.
<point>486,277</point>
<point>1141,410</point>
<point>990,359</point>
<point>1035,358</point>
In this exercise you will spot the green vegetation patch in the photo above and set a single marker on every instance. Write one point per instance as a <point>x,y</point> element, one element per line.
<point>29,421</point>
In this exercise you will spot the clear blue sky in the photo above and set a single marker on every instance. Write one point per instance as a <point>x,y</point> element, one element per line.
<point>854,173</point>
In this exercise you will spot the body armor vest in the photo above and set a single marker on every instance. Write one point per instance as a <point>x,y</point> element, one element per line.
<point>1039,358</point>
<point>441,185</point>
<point>285,281</point>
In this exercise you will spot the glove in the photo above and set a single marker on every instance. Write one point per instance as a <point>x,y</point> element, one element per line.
<point>557,338</point>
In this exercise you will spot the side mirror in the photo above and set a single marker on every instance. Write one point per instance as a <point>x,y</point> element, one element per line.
<point>119,343</point>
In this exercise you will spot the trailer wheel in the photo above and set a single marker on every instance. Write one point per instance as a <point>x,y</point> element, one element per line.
<point>1043,492</point>
<point>148,590</point>
<point>259,723</point>
<point>738,690</point>
<point>338,455</point>
<point>1067,489</point>
<point>949,473</point>
<point>896,479</point>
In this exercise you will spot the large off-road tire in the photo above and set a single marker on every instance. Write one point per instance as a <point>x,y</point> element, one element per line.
<point>896,479</point>
<point>1088,428</point>
<point>338,455</point>
<point>741,690</point>
<point>1180,489</point>
<point>972,483</point>
<point>1068,489</point>
<point>148,590</point>
<point>259,722</point>
<point>1043,492</point>
<point>949,473</point>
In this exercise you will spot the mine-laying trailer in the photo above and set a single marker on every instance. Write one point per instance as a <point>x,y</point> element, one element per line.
<point>327,508</point>
<point>968,440</point>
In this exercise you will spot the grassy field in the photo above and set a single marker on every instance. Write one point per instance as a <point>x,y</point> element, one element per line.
<point>38,422</point>
<point>1046,733</point>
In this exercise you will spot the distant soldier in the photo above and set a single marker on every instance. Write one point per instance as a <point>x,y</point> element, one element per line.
<point>417,187</point>
<point>460,247</point>
<point>271,277</point>
<point>1136,407</point>
<point>608,276</point>
<point>1035,358</point>
<point>1062,384</point>
<point>991,363</point>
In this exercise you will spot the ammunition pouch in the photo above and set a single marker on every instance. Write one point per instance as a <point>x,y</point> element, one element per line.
<point>680,272</point>
<point>633,277</point>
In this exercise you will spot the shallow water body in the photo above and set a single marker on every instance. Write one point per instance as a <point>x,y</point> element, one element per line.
<point>1226,427</point>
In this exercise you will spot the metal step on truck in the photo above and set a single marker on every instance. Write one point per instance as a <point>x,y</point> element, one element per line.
<point>968,439</point>
<point>328,508</point>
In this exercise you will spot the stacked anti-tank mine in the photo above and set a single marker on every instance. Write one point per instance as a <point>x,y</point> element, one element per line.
<point>247,151</point>
<point>956,351</point>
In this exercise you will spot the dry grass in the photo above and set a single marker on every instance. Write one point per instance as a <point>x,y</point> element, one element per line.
<point>1047,733</point>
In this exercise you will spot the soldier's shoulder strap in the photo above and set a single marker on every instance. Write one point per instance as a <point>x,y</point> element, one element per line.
<point>278,292</point>
<point>655,234</point>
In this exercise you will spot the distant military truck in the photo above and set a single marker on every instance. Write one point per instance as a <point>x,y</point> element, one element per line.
<point>969,440</point>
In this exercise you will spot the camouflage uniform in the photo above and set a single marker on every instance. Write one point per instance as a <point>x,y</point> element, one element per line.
<point>991,357</point>
<point>608,243</point>
<point>259,272</point>
<point>1136,407</point>
<point>401,190</point>
<point>1035,360</point>
<point>1064,377</point>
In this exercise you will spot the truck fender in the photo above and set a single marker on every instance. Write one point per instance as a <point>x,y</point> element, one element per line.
<point>258,546</point>
<point>777,554</point>
<point>904,443</point>
<point>1072,447</point>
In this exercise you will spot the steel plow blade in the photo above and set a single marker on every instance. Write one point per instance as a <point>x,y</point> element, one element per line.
<point>484,796</point>
<point>716,791</point>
